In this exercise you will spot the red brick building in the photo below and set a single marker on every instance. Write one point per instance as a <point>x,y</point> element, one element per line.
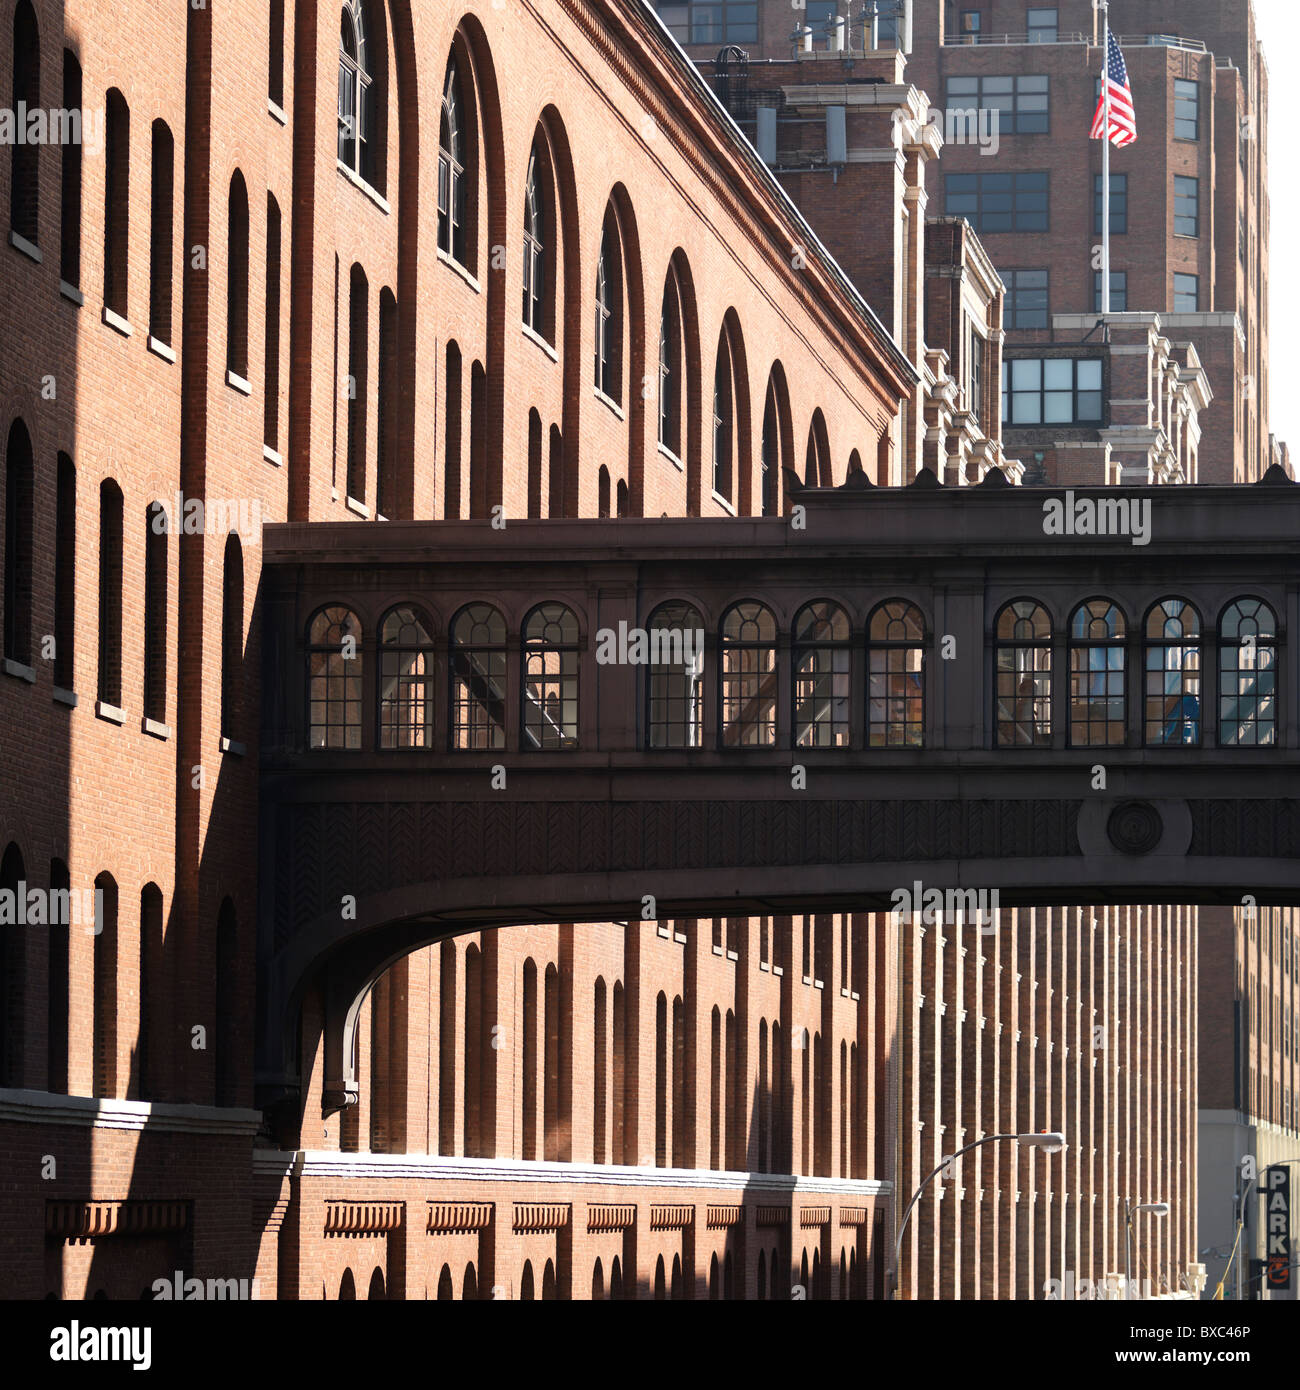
<point>263,284</point>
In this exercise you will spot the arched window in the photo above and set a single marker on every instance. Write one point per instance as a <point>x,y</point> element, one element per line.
<point>896,676</point>
<point>161,195</point>
<point>762,1275</point>
<point>237,280</point>
<point>358,380</point>
<point>548,1282</point>
<point>675,679</point>
<point>405,680</point>
<point>600,1075</point>
<point>1247,675</point>
<point>386,407</point>
<point>724,421</point>
<point>13,975</point>
<point>334,665</point>
<point>58,996</point>
<point>65,573</point>
<point>148,1048</point>
<point>1173,674</point>
<point>455,391</point>
<point>24,186</point>
<point>609,311</point>
<point>817,461</point>
<point>232,640</point>
<point>157,526</point>
<point>104,998</point>
<point>271,327</point>
<point>660,1290</point>
<point>670,366</point>
<point>713,1276</point>
<point>602,492</point>
<point>597,1283</point>
<point>70,180</point>
<point>358,92</point>
<point>534,465</point>
<point>376,1290</point>
<point>1023,674</point>
<point>535,277</point>
<point>748,677</point>
<point>616,1279</point>
<point>347,1286</point>
<point>110,593</point>
<point>822,657</point>
<point>117,200</point>
<point>770,453</point>
<point>19,504</point>
<point>550,678</point>
<point>226,1051</point>
<point>469,1285</point>
<point>446,1289</point>
<point>275,53</point>
<point>676,1290</point>
<point>1097,675</point>
<point>477,661</point>
<point>453,162</point>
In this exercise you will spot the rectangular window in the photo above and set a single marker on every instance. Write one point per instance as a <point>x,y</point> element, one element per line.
<point>1021,104</point>
<point>1051,391</point>
<point>975,389</point>
<point>1118,291</point>
<point>717,21</point>
<point>1187,294</point>
<point>1026,301</point>
<point>1042,25</point>
<point>971,21</point>
<point>1187,109</point>
<point>999,202</point>
<point>1118,204</point>
<point>1187,198</point>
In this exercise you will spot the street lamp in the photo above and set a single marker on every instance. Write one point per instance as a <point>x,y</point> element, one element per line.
<point>1130,1210</point>
<point>1050,1143</point>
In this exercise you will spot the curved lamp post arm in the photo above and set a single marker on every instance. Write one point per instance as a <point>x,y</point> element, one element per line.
<point>934,1173</point>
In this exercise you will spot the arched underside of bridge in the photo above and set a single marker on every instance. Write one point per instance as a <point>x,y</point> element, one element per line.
<point>358,886</point>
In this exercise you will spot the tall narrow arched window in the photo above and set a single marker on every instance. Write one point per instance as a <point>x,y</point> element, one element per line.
<point>762,1275</point>
<point>670,366</point>
<point>609,310</point>
<point>551,1064</point>
<point>19,503</point>
<point>58,995</point>
<point>1173,674</point>
<point>535,278</point>
<point>237,280</point>
<point>225,1048</point>
<point>477,663</point>
<point>155,613</point>
<point>600,1076</point>
<point>162,175</point>
<point>896,676</point>
<point>275,53</point>
<point>597,1283</point>
<point>478,459</point>
<point>822,659</point>
<point>104,997</point>
<point>534,465</point>
<point>452,443</point>
<point>334,666</point>
<point>110,593</point>
<point>724,421</point>
<point>453,162</point>
<point>405,680</point>
<point>13,974</point>
<point>748,677</point>
<point>386,408</point>
<point>817,461</point>
<point>359,92</point>
<point>65,573</point>
<point>70,179</point>
<point>1097,676</point>
<point>117,200</point>
<point>1248,675</point>
<point>1023,675</point>
<point>24,186</point>
<point>148,1039</point>
<point>602,492</point>
<point>271,328</point>
<point>770,454</point>
<point>232,640</point>
<point>555,473</point>
<point>358,380</point>
<point>675,677</point>
<point>661,1081</point>
<point>550,678</point>
<point>528,1062</point>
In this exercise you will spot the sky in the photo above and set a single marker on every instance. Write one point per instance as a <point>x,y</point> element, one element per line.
<point>1280,38</point>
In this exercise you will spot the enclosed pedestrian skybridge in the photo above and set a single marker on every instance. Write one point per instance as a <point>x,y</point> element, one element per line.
<point>1083,698</point>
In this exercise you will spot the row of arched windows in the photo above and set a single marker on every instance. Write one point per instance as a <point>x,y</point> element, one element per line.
<point>155,527</point>
<point>678,382</point>
<point>477,652</point>
<point>71,921</point>
<point>1099,651</point>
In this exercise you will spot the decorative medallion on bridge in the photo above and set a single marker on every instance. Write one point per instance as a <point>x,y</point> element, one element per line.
<point>1135,827</point>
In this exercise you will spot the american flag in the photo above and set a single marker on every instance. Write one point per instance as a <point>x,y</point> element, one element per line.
<point>1123,123</point>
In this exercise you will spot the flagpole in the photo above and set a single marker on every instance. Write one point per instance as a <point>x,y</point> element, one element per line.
<point>1105,158</point>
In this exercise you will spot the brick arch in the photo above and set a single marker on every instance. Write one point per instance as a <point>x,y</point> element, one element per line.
<point>692,370</point>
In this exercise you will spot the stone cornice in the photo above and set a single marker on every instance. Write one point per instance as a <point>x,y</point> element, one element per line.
<point>42,1107</point>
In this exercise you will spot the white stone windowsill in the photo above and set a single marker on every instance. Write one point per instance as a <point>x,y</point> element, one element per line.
<point>19,671</point>
<point>27,248</point>
<point>161,349</point>
<point>110,712</point>
<point>117,323</point>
